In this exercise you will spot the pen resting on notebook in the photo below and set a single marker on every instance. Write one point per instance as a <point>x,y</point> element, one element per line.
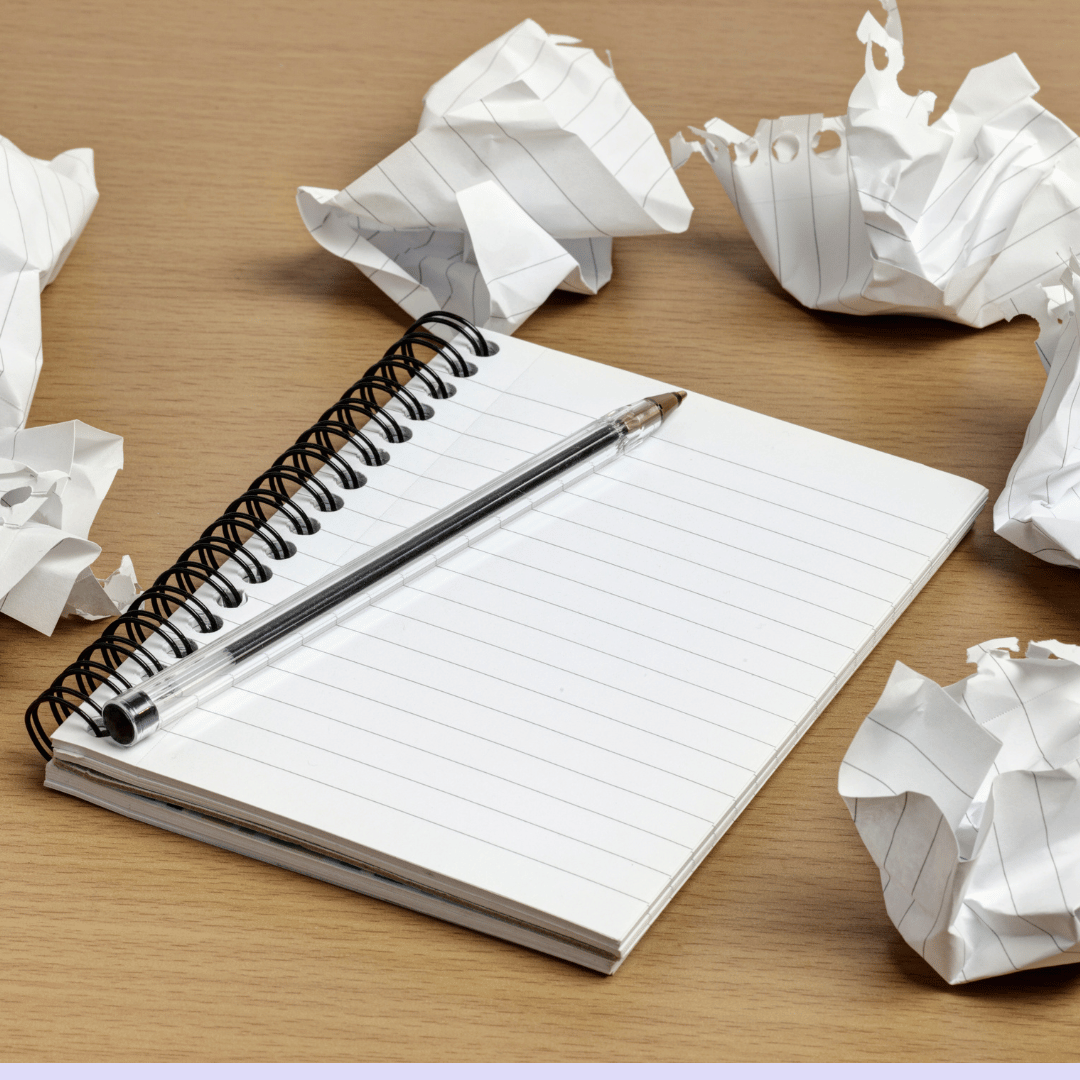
<point>169,695</point>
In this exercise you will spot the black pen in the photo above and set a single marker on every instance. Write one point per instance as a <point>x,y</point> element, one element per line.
<point>167,696</point>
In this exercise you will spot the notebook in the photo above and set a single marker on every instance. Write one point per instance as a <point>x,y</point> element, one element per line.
<point>542,736</point>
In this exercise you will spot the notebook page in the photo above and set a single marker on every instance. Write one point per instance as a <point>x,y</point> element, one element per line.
<point>559,716</point>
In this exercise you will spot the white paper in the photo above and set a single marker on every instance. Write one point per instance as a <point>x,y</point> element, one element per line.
<point>1039,508</point>
<point>52,481</point>
<point>956,219</point>
<point>52,478</point>
<point>44,206</point>
<point>968,800</point>
<point>92,599</point>
<point>528,160</point>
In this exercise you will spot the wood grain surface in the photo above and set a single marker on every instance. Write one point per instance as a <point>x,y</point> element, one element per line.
<point>197,318</point>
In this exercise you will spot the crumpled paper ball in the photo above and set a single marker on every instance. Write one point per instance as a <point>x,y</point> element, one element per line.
<point>1039,507</point>
<point>44,207</point>
<point>528,160</point>
<point>52,478</point>
<point>968,799</point>
<point>880,211</point>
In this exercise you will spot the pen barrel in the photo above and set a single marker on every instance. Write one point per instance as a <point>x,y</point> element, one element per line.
<point>166,697</point>
<point>392,556</point>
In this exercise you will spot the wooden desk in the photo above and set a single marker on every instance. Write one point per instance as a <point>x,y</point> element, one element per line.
<point>197,318</point>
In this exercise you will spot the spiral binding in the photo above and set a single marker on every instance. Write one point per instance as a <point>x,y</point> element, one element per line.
<point>342,425</point>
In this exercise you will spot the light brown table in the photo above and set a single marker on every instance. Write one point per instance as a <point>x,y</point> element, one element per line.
<point>198,318</point>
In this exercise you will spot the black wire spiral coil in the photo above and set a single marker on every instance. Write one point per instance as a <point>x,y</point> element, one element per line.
<point>343,425</point>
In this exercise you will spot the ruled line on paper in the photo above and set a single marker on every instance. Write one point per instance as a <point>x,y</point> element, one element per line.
<point>438,825</point>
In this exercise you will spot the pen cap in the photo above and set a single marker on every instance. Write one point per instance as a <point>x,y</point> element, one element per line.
<point>131,718</point>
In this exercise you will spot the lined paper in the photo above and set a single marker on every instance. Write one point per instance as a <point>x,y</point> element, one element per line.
<point>880,210</point>
<point>559,718</point>
<point>528,160</point>
<point>52,477</point>
<point>968,800</point>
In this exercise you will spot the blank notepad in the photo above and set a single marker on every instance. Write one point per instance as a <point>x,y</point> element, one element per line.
<point>544,735</point>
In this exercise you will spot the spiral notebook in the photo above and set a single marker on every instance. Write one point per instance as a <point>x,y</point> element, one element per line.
<point>543,736</point>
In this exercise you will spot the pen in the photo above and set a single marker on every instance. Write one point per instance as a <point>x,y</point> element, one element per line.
<point>164,698</point>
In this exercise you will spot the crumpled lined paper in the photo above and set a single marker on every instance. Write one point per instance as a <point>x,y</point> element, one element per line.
<point>44,206</point>
<point>52,478</point>
<point>879,211</point>
<point>52,481</point>
<point>968,800</point>
<point>1039,507</point>
<point>529,158</point>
